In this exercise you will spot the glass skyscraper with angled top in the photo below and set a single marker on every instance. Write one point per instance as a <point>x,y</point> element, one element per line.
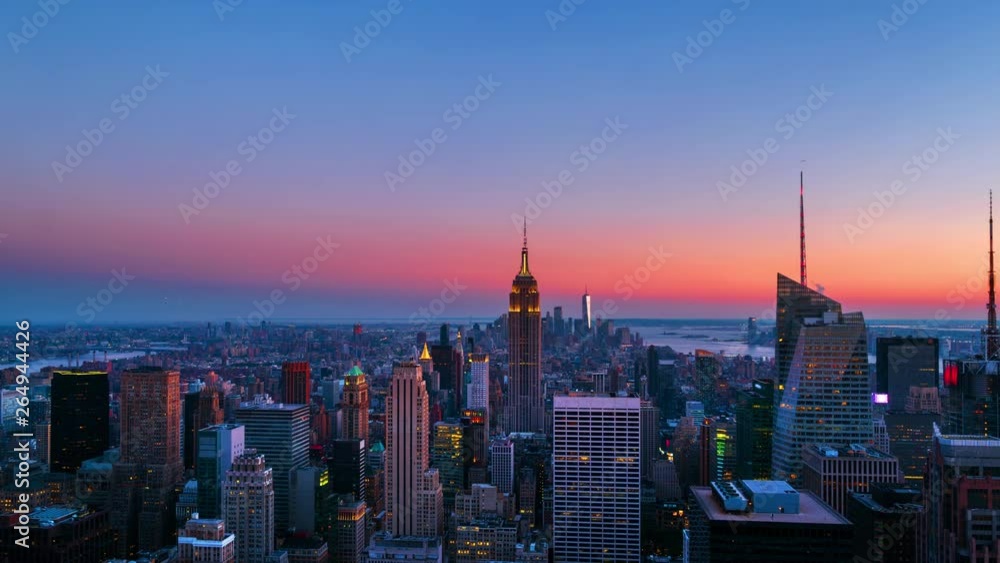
<point>827,397</point>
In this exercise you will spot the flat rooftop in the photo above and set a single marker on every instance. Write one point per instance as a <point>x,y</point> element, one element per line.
<point>811,509</point>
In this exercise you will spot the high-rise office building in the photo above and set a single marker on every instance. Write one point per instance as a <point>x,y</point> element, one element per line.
<point>902,363</point>
<point>887,524</point>
<point>63,534</point>
<point>796,302</point>
<point>754,430</point>
<point>560,324</point>
<point>766,521</point>
<point>248,507</point>
<point>79,414</point>
<point>296,384</point>
<point>835,472</point>
<point>961,517</point>
<point>205,540</point>
<point>202,408</point>
<point>218,446</point>
<point>150,466</point>
<point>349,546</point>
<point>653,374</point>
<point>650,416</point>
<point>525,410</point>
<point>827,397</point>
<point>478,396</point>
<point>355,405</point>
<point>407,456</point>
<point>596,478</point>
<point>446,457</point>
<point>585,314</point>
<point>502,465</point>
<point>475,446</point>
<point>280,433</point>
<point>349,468</point>
<point>910,436</point>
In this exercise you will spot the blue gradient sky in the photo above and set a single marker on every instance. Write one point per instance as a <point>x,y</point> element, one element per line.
<point>654,186</point>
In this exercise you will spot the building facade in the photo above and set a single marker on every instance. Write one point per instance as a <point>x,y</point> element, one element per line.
<point>597,478</point>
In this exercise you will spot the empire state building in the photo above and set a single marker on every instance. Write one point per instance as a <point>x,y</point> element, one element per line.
<point>525,397</point>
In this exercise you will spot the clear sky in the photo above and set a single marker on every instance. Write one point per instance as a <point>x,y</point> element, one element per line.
<point>197,85</point>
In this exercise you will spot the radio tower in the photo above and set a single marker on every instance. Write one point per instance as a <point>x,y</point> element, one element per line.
<point>802,227</point>
<point>992,334</point>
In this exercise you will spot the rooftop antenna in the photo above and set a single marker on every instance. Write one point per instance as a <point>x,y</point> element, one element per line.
<point>992,335</point>
<point>802,225</point>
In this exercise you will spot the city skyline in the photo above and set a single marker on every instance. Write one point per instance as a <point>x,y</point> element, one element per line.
<point>656,184</point>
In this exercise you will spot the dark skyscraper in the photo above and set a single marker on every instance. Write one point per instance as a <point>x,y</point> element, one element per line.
<point>444,337</point>
<point>295,383</point>
<point>281,434</point>
<point>348,468</point>
<point>79,418</point>
<point>904,362</point>
<point>653,372</point>
<point>525,398</point>
<point>754,430</point>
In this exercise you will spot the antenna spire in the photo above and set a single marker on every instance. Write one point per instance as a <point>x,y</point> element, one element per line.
<point>524,253</point>
<point>992,334</point>
<point>802,227</point>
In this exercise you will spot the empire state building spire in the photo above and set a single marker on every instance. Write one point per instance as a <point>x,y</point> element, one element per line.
<point>524,253</point>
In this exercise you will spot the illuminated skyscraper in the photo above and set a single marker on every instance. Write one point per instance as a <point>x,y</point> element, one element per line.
<point>478,396</point>
<point>827,398</point>
<point>525,398</point>
<point>407,456</point>
<point>587,326</point>
<point>296,384</point>
<point>355,405</point>
<point>79,418</point>
<point>796,303</point>
<point>150,464</point>
<point>596,478</point>
<point>248,507</point>
<point>446,457</point>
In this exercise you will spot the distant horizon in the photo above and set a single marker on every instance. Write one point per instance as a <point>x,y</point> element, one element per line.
<point>455,321</point>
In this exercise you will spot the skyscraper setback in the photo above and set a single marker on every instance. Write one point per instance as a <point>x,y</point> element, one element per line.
<point>525,398</point>
<point>407,473</point>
